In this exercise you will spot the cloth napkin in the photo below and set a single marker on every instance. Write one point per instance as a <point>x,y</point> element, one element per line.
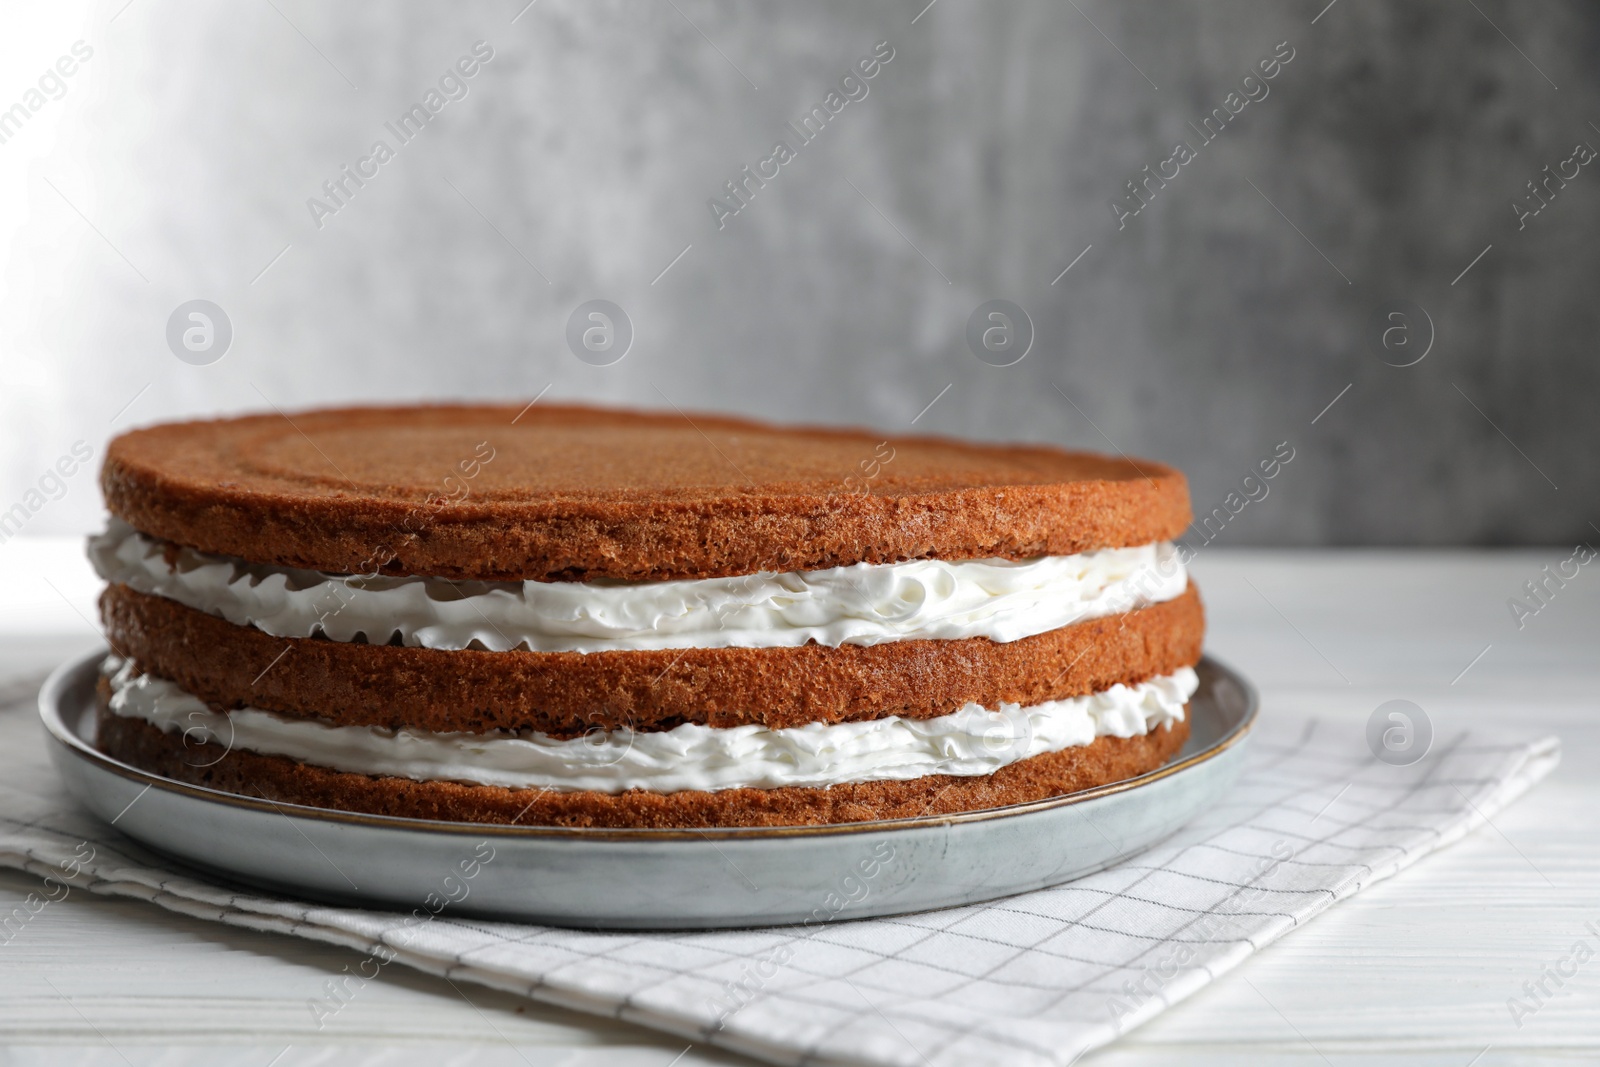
<point>1033,979</point>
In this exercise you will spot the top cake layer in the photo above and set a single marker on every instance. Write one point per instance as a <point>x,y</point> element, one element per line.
<point>577,494</point>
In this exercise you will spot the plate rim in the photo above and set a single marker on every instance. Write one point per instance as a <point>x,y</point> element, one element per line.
<point>53,690</point>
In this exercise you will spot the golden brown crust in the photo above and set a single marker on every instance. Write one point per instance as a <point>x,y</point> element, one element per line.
<point>1108,759</point>
<point>566,693</point>
<point>576,493</point>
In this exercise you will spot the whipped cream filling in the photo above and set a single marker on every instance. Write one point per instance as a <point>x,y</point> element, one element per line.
<point>864,604</point>
<point>971,741</point>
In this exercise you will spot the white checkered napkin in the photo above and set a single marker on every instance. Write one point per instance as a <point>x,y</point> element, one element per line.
<point>1032,979</point>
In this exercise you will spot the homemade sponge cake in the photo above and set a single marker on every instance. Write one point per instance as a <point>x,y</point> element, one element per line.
<point>569,616</point>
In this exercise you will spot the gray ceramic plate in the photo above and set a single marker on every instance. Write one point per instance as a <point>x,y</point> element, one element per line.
<point>652,878</point>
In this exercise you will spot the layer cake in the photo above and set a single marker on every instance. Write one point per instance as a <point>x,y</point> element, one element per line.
<point>580,617</point>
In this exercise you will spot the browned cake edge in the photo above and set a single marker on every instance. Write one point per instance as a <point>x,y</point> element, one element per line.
<point>567,693</point>
<point>275,778</point>
<point>581,537</point>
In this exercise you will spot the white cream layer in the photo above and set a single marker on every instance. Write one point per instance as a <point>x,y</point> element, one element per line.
<point>865,604</point>
<point>972,741</point>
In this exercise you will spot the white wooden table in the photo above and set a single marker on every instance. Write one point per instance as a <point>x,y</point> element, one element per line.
<point>1417,969</point>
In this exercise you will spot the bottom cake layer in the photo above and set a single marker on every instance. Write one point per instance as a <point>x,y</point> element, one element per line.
<point>178,756</point>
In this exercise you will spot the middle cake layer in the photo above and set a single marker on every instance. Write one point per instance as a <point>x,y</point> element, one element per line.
<point>566,694</point>
<point>970,742</point>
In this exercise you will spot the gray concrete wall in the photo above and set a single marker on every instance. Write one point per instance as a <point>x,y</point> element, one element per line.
<point>987,154</point>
